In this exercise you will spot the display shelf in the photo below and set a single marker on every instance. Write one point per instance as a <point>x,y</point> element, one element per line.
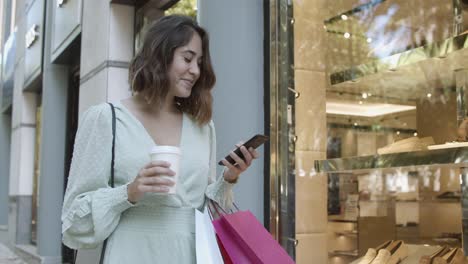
<point>347,233</point>
<point>340,219</point>
<point>449,156</point>
<point>351,253</point>
<point>438,49</point>
<point>415,252</point>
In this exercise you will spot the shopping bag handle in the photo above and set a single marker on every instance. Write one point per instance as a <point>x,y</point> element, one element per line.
<point>216,206</point>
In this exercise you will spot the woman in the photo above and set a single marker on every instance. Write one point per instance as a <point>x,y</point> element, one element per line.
<point>171,78</point>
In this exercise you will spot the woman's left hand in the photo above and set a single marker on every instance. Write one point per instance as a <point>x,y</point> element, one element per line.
<point>233,171</point>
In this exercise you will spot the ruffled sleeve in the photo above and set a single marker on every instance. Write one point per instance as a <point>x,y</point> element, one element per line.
<point>218,189</point>
<point>91,208</point>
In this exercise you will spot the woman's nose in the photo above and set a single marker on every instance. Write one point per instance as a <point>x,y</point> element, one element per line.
<point>195,69</point>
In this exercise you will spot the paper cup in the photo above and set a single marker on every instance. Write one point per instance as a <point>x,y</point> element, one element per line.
<point>172,155</point>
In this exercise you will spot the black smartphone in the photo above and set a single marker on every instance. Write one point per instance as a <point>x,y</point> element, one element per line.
<point>255,142</point>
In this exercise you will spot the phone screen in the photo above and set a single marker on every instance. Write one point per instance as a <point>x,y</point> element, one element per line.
<point>255,142</point>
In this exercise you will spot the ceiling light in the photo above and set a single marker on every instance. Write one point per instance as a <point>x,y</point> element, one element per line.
<point>415,134</point>
<point>355,124</point>
<point>429,95</point>
<point>369,40</point>
<point>364,95</point>
<point>347,35</point>
<point>344,17</point>
<point>360,102</point>
<point>347,108</point>
<point>398,132</point>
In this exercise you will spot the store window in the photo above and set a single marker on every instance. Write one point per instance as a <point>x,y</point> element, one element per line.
<point>372,129</point>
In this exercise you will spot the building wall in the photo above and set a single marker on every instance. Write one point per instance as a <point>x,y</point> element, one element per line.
<point>237,53</point>
<point>22,139</point>
<point>105,42</point>
<point>5,133</point>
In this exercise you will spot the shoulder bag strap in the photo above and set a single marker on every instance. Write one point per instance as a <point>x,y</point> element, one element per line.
<point>113,145</point>
<point>104,245</point>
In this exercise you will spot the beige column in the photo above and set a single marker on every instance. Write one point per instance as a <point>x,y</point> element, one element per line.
<point>107,39</point>
<point>310,82</point>
<point>23,130</point>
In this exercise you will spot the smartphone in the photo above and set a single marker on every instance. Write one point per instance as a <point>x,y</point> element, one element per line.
<point>255,142</point>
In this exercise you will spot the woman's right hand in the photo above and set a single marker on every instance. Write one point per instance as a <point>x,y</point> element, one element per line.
<point>149,180</point>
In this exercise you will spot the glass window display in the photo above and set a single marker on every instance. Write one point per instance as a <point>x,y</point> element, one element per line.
<point>369,106</point>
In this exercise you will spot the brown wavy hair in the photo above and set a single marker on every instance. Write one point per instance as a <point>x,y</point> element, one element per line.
<point>149,68</point>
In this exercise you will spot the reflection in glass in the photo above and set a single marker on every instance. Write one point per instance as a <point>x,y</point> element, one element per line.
<point>394,87</point>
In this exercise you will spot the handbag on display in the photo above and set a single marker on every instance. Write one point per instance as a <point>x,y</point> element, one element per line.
<point>246,240</point>
<point>206,245</point>
<point>96,255</point>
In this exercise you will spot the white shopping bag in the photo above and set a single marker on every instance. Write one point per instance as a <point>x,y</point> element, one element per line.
<point>207,249</point>
<point>89,255</point>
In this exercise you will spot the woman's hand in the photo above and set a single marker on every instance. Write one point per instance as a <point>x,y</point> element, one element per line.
<point>149,180</point>
<point>233,171</point>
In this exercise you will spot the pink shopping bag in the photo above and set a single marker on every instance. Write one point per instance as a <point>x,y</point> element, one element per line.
<point>247,241</point>
<point>224,254</point>
<point>235,253</point>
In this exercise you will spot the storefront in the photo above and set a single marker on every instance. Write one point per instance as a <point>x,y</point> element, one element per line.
<point>7,83</point>
<point>366,99</point>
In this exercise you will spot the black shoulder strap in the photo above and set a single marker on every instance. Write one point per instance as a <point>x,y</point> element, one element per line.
<point>104,245</point>
<point>113,145</point>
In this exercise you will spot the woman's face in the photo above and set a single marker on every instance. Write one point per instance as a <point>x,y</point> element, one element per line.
<point>185,67</point>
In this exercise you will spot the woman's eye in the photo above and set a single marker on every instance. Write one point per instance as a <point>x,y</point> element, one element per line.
<point>187,60</point>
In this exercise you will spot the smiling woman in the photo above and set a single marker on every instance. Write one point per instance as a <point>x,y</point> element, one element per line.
<point>149,214</point>
<point>148,68</point>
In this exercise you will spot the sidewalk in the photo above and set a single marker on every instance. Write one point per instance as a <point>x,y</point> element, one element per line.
<point>8,257</point>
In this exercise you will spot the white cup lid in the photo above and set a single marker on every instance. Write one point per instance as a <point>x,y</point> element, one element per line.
<point>165,149</point>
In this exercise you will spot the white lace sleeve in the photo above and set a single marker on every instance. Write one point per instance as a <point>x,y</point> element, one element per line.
<point>218,189</point>
<point>91,208</point>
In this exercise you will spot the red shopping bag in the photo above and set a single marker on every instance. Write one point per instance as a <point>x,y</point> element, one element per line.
<point>247,241</point>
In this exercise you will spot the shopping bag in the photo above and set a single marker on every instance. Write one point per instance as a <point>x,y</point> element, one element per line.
<point>247,241</point>
<point>207,250</point>
<point>232,250</point>
<point>89,255</point>
<point>224,254</point>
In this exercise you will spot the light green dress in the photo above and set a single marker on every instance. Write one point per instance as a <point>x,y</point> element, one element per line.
<point>159,228</point>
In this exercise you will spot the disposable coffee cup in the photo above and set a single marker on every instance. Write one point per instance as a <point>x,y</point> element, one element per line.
<point>172,155</point>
